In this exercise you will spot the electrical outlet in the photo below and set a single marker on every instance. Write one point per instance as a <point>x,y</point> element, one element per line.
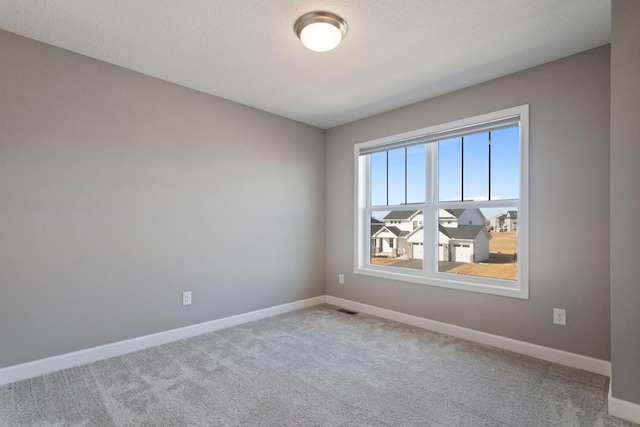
<point>186,298</point>
<point>560,316</point>
<point>341,278</point>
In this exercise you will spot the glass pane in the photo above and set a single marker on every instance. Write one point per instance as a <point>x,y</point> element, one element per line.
<point>450,170</point>
<point>475,165</point>
<point>378,166</point>
<point>479,242</point>
<point>397,176</point>
<point>505,163</point>
<point>397,238</point>
<point>416,173</point>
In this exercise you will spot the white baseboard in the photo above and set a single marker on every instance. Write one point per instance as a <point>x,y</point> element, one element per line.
<point>623,409</point>
<point>590,364</point>
<point>51,364</point>
<point>56,363</point>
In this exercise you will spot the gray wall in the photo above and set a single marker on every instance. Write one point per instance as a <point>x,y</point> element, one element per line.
<point>569,200</point>
<point>119,191</point>
<point>625,200</point>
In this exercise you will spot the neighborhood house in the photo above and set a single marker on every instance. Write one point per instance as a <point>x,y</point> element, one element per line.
<point>505,222</point>
<point>389,238</point>
<point>462,235</point>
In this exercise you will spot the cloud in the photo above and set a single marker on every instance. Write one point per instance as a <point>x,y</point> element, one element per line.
<point>485,198</point>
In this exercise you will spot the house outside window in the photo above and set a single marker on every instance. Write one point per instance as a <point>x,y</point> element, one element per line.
<point>447,205</point>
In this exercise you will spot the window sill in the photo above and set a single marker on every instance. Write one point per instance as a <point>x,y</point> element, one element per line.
<point>480,285</point>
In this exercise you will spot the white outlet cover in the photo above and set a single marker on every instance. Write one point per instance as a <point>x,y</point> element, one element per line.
<point>186,298</point>
<point>560,316</point>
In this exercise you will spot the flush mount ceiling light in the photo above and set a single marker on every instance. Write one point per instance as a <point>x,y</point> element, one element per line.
<point>320,31</point>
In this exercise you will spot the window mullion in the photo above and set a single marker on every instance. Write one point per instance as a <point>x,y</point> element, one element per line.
<point>406,183</point>
<point>462,169</point>
<point>489,193</point>
<point>430,233</point>
<point>387,177</point>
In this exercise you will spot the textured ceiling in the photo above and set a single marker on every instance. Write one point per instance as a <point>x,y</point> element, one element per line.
<point>397,52</point>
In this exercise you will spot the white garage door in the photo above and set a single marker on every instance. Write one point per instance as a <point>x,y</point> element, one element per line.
<point>462,253</point>
<point>417,251</point>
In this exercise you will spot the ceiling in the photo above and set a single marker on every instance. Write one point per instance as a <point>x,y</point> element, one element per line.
<point>397,52</point>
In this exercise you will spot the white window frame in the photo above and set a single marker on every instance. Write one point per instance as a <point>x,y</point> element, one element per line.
<point>429,275</point>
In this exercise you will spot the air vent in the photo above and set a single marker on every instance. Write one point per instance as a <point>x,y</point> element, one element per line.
<point>345,311</point>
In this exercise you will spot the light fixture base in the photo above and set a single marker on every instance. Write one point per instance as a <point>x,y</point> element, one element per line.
<point>320,17</point>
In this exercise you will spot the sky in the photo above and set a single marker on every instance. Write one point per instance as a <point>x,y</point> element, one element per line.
<point>460,177</point>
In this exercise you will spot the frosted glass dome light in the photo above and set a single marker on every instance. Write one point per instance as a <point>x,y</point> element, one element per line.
<point>320,31</point>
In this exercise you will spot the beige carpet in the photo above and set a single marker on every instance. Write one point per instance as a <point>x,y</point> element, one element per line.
<point>314,367</point>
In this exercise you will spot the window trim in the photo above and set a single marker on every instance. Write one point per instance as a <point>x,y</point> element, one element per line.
<point>362,265</point>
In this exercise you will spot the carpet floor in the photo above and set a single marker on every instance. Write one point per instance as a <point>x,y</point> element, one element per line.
<point>313,367</point>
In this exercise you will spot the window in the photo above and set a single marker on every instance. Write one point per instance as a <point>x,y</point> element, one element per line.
<point>447,205</point>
